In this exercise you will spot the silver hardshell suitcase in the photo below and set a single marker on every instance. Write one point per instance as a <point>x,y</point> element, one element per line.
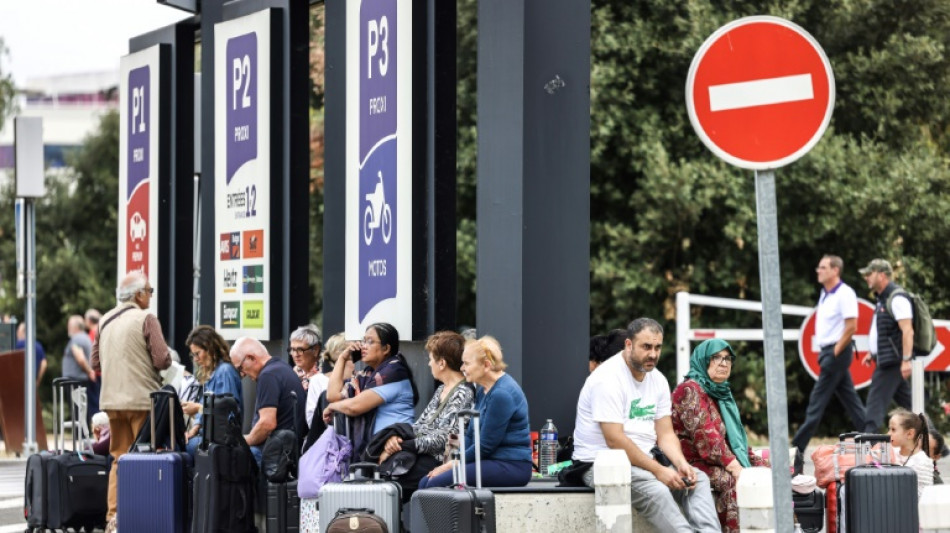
<point>383,498</point>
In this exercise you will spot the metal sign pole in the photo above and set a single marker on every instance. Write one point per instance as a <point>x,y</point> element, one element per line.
<point>774,348</point>
<point>29,363</point>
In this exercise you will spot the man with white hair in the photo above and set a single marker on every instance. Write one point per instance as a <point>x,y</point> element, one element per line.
<point>130,350</point>
<point>274,408</point>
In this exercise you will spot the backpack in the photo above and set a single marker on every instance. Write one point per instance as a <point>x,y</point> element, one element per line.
<point>925,337</point>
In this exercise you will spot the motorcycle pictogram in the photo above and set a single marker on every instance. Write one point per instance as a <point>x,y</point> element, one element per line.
<point>377,214</point>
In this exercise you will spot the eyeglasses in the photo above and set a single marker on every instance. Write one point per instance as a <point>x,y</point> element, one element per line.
<point>370,342</point>
<point>149,290</point>
<point>240,367</point>
<point>293,349</point>
<point>720,359</point>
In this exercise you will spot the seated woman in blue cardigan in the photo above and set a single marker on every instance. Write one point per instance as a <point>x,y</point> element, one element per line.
<point>503,423</point>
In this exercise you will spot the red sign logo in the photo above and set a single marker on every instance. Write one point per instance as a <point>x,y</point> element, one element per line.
<point>808,346</point>
<point>760,92</point>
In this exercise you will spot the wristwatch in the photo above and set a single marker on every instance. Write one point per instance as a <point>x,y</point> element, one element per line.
<point>908,357</point>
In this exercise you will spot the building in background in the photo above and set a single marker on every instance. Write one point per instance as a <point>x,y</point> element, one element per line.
<point>70,106</point>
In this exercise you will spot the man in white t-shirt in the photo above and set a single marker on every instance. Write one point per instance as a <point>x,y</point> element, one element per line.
<point>625,405</point>
<point>836,319</point>
<point>891,344</point>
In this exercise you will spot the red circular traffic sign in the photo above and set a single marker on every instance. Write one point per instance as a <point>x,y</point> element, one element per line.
<point>808,346</point>
<point>760,92</point>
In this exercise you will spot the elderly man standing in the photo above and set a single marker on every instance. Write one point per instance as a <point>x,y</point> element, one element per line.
<point>275,379</point>
<point>130,351</point>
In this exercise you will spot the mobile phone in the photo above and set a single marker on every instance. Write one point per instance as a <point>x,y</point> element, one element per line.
<point>356,355</point>
<point>687,481</point>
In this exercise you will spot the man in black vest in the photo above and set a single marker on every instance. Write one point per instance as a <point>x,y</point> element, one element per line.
<point>891,344</point>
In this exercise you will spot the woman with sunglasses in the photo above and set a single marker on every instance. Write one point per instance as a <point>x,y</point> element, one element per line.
<point>706,420</point>
<point>503,422</point>
<point>214,371</point>
<point>381,394</point>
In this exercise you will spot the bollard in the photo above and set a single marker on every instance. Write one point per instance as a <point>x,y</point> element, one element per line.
<point>612,504</point>
<point>754,496</point>
<point>934,509</point>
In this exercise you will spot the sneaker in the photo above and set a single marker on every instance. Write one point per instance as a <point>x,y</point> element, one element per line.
<point>112,526</point>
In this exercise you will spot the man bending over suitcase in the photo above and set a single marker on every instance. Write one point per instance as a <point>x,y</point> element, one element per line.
<point>625,405</point>
<point>274,408</point>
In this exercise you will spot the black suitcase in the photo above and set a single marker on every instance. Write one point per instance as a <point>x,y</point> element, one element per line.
<point>879,498</point>
<point>225,482</point>
<point>809,510</point>
<point>65,489</point>
<point>283,507</point>
<point>461,508</point>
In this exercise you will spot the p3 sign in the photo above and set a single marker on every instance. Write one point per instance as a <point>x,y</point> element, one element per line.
<point>378,150</point>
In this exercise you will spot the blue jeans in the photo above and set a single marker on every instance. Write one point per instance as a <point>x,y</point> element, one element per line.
<point>494,474</point>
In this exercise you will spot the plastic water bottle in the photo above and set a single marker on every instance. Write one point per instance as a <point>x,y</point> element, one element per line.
<point>547,447</point>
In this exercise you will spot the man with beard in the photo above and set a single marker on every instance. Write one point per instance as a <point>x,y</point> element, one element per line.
<point>625,405</point>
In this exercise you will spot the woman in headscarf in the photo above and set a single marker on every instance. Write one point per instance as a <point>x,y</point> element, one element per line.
<point>706,420</point>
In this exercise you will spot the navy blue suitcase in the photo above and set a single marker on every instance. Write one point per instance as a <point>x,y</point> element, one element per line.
<point>153,493</point>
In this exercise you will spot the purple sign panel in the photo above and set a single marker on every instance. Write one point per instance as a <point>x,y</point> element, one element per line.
<point>377,190</point>
<point>241,109</point>
<point>139,126</point>
<point>378,223</point>
<point>377,73</point>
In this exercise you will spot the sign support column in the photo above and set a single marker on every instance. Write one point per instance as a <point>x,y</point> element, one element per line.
<point>776,396</point>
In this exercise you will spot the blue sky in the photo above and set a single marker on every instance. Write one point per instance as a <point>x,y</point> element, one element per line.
<point>49,37</point>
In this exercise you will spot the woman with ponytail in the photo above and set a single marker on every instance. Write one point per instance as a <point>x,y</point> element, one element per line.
<point>910,438</point>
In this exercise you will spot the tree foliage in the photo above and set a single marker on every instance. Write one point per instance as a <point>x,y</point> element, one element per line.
<point>7,88</point>
<point>668,216</point>
<point>76,228</point>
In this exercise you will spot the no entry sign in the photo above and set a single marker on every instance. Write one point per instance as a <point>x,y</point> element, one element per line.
<point>760,92</point>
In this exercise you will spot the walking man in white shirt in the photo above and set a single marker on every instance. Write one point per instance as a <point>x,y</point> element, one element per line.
<point>625,405</point>
<point>836,319</point>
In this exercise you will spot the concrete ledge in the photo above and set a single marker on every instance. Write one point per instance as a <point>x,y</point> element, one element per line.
<point>551,510</point>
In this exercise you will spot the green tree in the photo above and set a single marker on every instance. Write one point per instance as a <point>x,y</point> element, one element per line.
<point>669,216</point>
<point>7,88</point>
<point>75,240</point>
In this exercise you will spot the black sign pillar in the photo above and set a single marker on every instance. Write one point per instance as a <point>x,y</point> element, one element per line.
<point>533,196</point>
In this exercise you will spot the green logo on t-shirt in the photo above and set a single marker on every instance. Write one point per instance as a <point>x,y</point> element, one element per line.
<point>637,411</point>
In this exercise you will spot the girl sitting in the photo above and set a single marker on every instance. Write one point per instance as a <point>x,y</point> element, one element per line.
<point>910,438</point>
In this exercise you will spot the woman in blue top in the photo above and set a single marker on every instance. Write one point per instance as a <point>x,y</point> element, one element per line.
<point>503,423</point>
<point>381,394</point>
<point>214,371</point>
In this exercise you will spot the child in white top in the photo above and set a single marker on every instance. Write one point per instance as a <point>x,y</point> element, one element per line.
<point>910,438</point>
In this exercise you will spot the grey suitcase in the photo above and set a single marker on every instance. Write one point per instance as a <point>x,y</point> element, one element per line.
<point>383,498</point>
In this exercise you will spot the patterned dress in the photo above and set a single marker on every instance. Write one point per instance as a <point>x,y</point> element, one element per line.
<point>702,434</point>
<point>434,424</point>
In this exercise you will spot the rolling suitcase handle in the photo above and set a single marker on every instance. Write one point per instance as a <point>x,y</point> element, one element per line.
<point>463,475</point>
<point>156,396</point>
<point>59,437</point>
<point>864,448</point>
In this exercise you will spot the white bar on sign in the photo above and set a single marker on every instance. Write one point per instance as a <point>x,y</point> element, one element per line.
<point>761,92</point>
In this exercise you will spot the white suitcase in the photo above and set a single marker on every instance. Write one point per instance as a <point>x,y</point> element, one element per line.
<point>384,498</point>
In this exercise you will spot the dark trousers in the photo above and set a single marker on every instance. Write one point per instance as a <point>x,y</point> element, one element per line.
<point>886,384</point>
<point>834,379</point>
